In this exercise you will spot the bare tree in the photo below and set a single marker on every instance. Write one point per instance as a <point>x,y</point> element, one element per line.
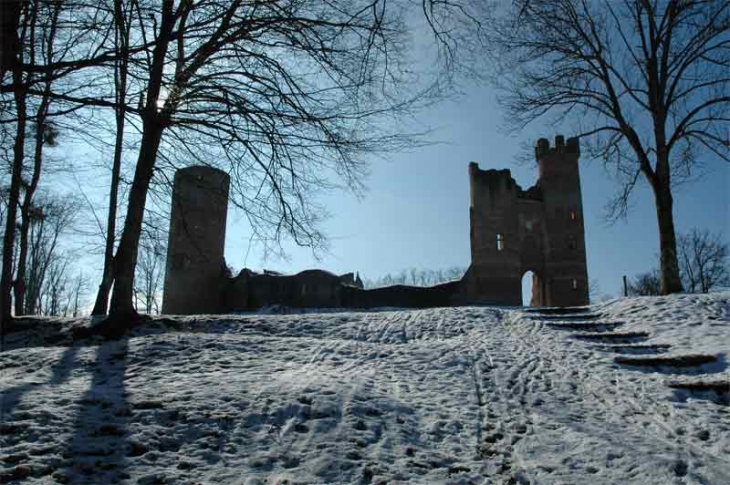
<point>415,277</point>
<point>77,289</point>
<point>45,133</point>
<point>51,299</point>
<point>150,267</point>
<point>288,97</point>
<point>12,60</point>
<point>646,284</point>
<point>595,295</point>
<point>36,53</point>
<point>49,219</point>
<point>123,12</point>
<point>704,261</point>
<point>453,273</point>
<point>644,81</point>
<point>285,94</point>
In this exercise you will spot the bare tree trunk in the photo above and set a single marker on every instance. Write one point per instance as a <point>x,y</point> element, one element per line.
<point>27,206</point>
<point>120,74</point>
<point>48,35</point>
<point>121,311</point>
<point>670,279</point>
<point>6,283</point>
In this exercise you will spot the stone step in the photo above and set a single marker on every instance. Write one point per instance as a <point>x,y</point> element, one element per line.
<point>558,310</point>
<point>634,348</point>
<point>677,360</point>
<point>617,337</point>
<point>719,386</point>
<point>582,316</point>
<point>598,326</point>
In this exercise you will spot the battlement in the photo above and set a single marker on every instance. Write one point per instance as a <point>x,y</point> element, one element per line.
<point>543,147</point>
<point>491,177</point>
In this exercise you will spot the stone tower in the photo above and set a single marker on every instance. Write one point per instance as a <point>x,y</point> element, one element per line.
<point>194,277</point>
<point>494,276</point>
<point>540,230</point>
<point>566,274</point>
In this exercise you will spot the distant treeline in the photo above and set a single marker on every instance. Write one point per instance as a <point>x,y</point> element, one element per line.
<point>416,277</point>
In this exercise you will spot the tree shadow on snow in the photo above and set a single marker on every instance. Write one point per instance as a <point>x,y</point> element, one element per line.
<point>96,452</point>
<point>60,372</point>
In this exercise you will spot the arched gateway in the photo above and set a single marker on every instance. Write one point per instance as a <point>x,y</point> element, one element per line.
<point>539,229</point>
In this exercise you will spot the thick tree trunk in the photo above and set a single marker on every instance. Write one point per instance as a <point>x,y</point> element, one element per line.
<point>121,312</point>
<point>671,281</point>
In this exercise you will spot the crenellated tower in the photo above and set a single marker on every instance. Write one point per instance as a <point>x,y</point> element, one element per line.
<point>566,274</point>
<point>540,230</point>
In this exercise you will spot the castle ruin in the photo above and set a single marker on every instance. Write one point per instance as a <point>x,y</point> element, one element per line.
<point>512,231</point>
<point>540,229</point>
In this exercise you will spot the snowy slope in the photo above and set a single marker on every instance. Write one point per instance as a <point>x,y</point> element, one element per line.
<point>452,395</point>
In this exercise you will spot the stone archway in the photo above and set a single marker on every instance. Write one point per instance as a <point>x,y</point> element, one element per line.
<point>533,291</point>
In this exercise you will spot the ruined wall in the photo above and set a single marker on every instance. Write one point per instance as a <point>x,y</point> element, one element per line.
<point>512,231</point>
<point>401,296</point>
<point>540,230</point>
<point>311,288</point>
<point>194,279</point>
<point>494,276</point>
<point>321,289</point>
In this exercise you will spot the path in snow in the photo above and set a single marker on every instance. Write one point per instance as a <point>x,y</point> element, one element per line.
<point>451,395</point>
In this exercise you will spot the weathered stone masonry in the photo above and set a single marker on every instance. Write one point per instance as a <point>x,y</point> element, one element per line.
<point>194,276</point>
<point>512,231</point>
<point>540,230</point>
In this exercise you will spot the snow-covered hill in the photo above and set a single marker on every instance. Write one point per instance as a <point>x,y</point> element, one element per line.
<point>468,395</point>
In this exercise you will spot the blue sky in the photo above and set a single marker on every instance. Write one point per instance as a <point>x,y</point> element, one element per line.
<point>416,211</point>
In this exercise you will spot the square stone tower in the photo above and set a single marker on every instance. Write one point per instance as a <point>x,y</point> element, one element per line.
<point>540,230</point>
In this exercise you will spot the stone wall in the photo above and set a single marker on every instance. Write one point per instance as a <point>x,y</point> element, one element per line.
<point>321,289</point>
<point>401,296</point>
<point>512,231</point>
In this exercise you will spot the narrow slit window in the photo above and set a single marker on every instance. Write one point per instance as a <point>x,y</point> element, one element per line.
<point>500,242</point>
<point>571,243</point>
<point>573,215</point>
<point>575,284</point>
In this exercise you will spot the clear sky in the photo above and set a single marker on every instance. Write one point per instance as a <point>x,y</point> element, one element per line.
<point>416,212</point>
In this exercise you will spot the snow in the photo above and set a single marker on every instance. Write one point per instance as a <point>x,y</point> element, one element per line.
<point>469,395</point>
